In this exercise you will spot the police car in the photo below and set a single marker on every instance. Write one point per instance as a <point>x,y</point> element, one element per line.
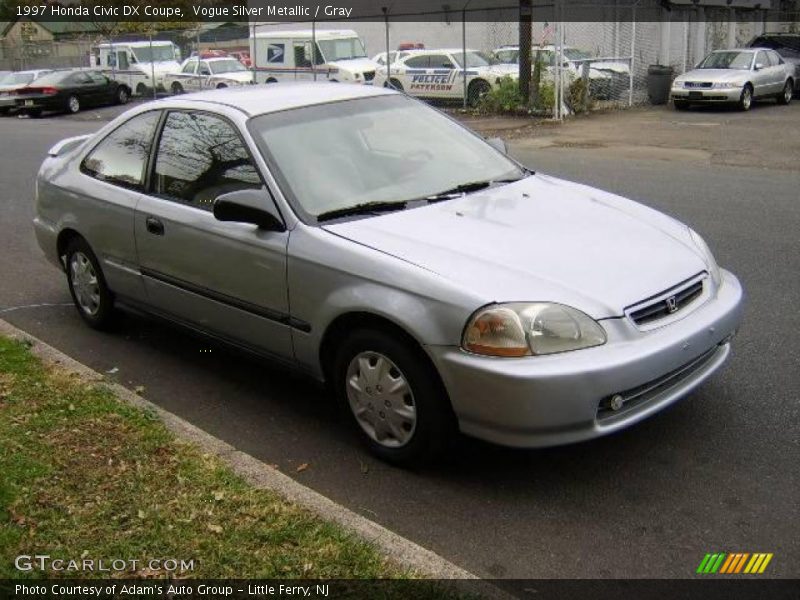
<point>440,74</point>
<point>207,72</point>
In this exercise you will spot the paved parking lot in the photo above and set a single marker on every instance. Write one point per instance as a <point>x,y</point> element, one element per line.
<point>718,472</point>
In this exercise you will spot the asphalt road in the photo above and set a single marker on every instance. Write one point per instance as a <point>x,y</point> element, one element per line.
<point>717,472</point>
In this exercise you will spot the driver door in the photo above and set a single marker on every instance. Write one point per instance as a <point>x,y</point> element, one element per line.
<point>228,279</point>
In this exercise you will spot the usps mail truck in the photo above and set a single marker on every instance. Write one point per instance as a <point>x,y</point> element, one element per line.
<point>141,66</point>
<point>338,55</point>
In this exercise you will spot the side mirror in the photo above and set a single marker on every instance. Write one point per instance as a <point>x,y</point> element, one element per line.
<point>498,144</point>
<point>254,206</point>
<point>759,66</point>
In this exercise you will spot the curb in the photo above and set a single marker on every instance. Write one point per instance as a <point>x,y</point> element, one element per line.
<point>402,551</point>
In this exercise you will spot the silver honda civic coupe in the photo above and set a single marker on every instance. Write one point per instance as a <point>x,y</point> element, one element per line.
<point>369,240</point>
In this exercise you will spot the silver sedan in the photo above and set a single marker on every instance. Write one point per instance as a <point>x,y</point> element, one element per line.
<point>370,241</point>
<point>735,77</point>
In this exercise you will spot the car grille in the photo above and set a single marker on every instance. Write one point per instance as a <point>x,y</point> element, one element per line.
<point>639,396</point>
<point>668,303</point>
<point>698,84</point>
<point>369,75</point>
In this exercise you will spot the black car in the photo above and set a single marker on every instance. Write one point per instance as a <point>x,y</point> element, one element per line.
<point>785,44</point>
<point>70,91</point>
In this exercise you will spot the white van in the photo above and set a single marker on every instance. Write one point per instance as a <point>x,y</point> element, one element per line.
<point>287,56</point>
<point>135,63</point>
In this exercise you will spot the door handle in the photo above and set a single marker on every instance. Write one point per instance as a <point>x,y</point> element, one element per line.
<point>154,226</point>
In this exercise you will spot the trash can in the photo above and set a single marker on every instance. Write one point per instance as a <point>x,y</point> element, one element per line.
<point>659,81</point>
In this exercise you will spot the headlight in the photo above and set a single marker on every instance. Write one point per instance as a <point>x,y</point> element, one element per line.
<point>530,329</point>
<point>708,257</point>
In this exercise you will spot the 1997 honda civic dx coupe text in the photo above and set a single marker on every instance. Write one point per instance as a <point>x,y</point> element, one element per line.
<point>380,246</point>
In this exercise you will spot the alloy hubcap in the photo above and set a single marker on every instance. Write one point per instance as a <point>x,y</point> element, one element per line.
<point>85,283</point>
<point>381,399</point>
<point>74,105</point>
<point>746,98</point>
<point>787,93</point>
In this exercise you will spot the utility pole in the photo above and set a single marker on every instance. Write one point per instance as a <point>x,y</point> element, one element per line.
<point>525,32</point>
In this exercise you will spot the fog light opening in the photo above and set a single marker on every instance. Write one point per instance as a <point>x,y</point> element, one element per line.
<point>616,402</point>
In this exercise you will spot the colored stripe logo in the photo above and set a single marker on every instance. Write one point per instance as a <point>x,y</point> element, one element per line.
<point>735,563</point>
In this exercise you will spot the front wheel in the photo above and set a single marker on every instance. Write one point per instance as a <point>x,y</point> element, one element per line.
<point>746,99</point>
<point>73,105</point>
<point>477,90</point>
<point>786,95</point>
<point>142,90</point>
<point>394,84</point>
<point>87,286</point>
<point>395,398</point>
<point>177,89</point>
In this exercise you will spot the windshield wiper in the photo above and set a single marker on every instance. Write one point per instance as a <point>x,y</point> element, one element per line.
<point>366,208</point>
<point>467,188</point>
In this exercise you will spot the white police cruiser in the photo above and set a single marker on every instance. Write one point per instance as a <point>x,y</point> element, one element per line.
<point>440,74</point>
<point>207,72</point>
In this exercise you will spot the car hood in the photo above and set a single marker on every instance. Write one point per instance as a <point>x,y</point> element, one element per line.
<point>715,75</point>
<point>240,76</point>
<point>540,239</point>
<point>356,65</point>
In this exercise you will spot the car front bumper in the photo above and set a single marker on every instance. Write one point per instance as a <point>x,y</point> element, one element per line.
<point>706,95</point>
<point>564,398</point>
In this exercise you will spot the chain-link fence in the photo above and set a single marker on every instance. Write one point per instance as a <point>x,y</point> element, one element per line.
<point>576,64</point>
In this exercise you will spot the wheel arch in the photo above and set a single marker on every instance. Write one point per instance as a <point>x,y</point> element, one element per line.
<point>65,237</point>
<point>350,321</point>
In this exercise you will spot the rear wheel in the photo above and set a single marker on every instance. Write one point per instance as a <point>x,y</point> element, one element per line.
<point>73,105</point>
<point>221,86</point>
<point>477,90</point>
<point>87,286</point>
<point>394,397</point>
<point>122,96</point>
<point>746,99</point>
<point>786,95</point>
<point>141,89</point>
<point>681,104</point>
<point>177,89</point>
<point>394,84</point>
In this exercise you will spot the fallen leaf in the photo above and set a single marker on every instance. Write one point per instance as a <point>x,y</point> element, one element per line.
<point>219,496</point>
<point>139,389</point>
<point>215,528</point>
<point>302,467</point>
<point>141,514</point>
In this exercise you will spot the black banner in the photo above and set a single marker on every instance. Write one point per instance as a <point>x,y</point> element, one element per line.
<point>277,11</point>
<point>706,588</point>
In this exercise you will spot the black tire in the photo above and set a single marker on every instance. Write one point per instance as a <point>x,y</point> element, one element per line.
<point>434,425</point>
<point>681,104</point>
<point>34,113</point>
<point>221,86</point>
<point>746,99</point>
<point>102,314</point>
<point>73,105</point>
<point>271,80</point>
<point>395,84</point>
<point>177,89</point>
<point>477,90</point>
<point>785,97</point>
<point>122,95</point>
<point>5,110</point>
<point>142,90</point>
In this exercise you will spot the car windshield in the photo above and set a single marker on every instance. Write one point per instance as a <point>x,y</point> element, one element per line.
<point>382,149</point>
<point>226,66</point>
<point>507,56</point>
<point>474,59</point>
<point>342,49</point>
<point>17,79</point>
<point>727,60</point>
<point>575,54</point>
<point>786,46</point>
<point>146,54</point>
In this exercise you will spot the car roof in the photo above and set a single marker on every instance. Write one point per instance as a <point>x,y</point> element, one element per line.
<point>274,97</point>
<point>749,50</point>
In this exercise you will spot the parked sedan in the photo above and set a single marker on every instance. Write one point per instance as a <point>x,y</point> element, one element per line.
<point>69,91</point>
<point>787,45</point>
<point>207,73</point>
<point>735,77</point>
<point>11,82</point>
<point>431,280</point>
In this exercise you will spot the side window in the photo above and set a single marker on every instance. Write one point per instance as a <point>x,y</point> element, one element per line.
<point>123,60</point>
<point>418,62</point>
<point>302,55</point>
<point>204,69</point>
<point>775,58</point>
<point>200,157</point>
<point>440,61</point>
<point>189,67</point>
<point>761,59</point>
<point>79,79</point>
<point>98,78</point>
<point>122,156</point>
<point>111,59</point>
